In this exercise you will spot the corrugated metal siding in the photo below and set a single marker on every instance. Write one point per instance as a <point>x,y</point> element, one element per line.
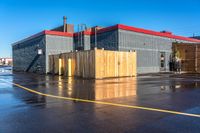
<point>78,45</point>
<point>92,41</point>
<point>87,42</point>
<point>57,45</point>
<point>148,49</point>
<point>25,55</point>
<point>106,40</point>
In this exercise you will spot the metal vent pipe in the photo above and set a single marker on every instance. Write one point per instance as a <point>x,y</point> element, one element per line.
<point>64,23</point>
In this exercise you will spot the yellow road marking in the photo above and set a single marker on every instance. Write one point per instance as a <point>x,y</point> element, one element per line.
<point>104,103</point>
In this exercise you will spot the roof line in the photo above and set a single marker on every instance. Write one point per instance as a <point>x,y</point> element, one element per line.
<point>29,38</point>
<point>110,28</point>
<point>155,33</point>
<point>139,30</point>
<point>106,29</point>
<point>58,33</point>
<point>45,32</point>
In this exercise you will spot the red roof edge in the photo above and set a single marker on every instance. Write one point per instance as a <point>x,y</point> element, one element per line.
<point>150,32</point>
<point>58,33</point>
<point>108,29</point>
<point>140,30</point>
<point>115,27</point>
<point>83,32</point>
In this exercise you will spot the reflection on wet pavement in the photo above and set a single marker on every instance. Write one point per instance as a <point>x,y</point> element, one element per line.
<point>5,70</point>
<point>25,112</point>
<point>107,89</point>
<point>112,88</point>
<point>79,88</point>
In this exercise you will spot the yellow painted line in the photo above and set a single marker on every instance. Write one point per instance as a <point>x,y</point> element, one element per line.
<point>104,103</point>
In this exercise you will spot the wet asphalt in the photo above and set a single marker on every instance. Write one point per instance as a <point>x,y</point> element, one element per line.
<point>25,112</point>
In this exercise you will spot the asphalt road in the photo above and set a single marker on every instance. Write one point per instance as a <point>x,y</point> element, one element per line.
<point>152,103</point>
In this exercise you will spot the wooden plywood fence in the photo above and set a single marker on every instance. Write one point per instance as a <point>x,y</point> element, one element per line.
<point>94,64</point>
<point>115,64</point>
<point>189,55</point>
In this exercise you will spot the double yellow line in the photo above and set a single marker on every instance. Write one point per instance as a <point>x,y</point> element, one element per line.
<point>104,103</point>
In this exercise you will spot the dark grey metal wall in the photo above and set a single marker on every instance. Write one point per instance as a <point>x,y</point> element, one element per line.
<point>107,40</point>
<point>77,42</point>
<point>87,44</point>
<point>148,49</point>
<point>82,42</point>
<point>25,55</point>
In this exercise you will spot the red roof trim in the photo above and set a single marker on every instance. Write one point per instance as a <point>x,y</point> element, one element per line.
<point>139,30</point>
<point>115,27</point>
<point>57,33</point>
<point>83,32</point>
<point>87,32</point>
<point>150,32</point>
<point>108,29</point>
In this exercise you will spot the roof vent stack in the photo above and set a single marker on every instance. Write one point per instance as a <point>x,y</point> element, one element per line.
<point>167,32</point>
<point>64,23</point>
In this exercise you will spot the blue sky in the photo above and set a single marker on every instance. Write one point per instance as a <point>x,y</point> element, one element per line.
<point>22,18</point>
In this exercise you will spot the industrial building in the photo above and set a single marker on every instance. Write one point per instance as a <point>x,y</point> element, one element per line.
<point>5,61</point>
<point>153,48</point>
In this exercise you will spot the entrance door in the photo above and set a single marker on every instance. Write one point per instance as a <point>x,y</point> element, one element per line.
<point>162,61</point>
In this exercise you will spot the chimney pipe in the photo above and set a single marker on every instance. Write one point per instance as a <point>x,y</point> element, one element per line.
<point>64,23</point>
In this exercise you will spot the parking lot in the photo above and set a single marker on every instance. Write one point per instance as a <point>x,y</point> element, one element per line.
<point>164,103</point>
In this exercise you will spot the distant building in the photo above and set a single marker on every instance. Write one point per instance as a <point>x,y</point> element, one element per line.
<point>153,48</point>
<point>6,61</point>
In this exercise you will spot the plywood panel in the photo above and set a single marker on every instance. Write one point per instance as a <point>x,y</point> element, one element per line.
<point>116,64</point>
<point>56,64</point>
<point>95,64</point>
<point>190,56</point>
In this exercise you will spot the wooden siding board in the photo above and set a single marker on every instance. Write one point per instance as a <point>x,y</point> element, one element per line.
<point>95,64</point>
